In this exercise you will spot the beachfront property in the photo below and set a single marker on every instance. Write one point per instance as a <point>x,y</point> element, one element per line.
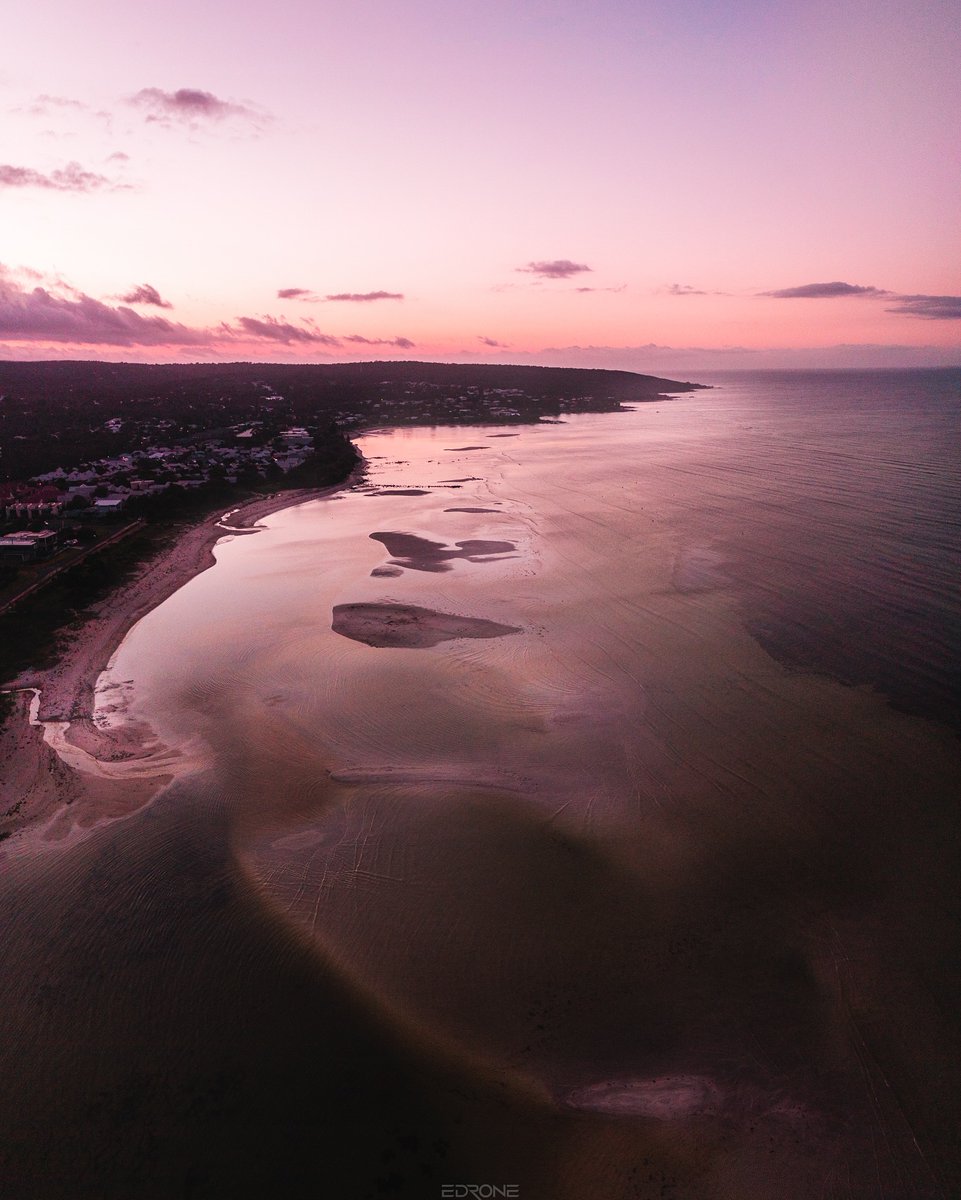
<point>28,547</point>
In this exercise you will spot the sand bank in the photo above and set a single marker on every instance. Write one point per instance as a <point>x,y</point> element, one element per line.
<point>410,627</point>
<point>420,554</point>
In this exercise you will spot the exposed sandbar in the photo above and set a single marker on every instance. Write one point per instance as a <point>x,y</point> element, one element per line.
<point>421,554</point>
<point>409,627</point>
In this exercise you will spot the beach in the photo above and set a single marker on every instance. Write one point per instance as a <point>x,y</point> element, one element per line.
<point>36,782</point>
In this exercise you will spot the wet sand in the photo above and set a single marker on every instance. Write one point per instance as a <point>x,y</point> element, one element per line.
<point>35,780</point>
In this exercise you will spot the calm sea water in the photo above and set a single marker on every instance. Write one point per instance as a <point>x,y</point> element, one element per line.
<point>656,896</point>
<point>834,500</point>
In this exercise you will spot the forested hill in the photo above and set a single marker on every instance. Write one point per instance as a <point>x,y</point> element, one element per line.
<point>58,413</point>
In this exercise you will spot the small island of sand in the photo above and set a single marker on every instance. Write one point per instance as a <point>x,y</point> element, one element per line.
<point>410,627</point>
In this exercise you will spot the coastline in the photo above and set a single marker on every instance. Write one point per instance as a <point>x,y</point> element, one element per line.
<point>37,782</point>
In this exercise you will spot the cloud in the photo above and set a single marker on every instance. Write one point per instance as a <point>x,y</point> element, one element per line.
<point>402,342</point>
<point>305,294</point>
<point>621,287</point>
<point>933,308</point>
<point>365,297</point>
<point>492,342</point>
<point>683,289</point>
<point>273,330</point>
<point>188,105</point>
<point>43,104</point>
<point>145,294</point>
<point>60,314</point>
<point>71,178</point>
<point>39,315</point>
<point>823,291</point>
<point>558,268</point>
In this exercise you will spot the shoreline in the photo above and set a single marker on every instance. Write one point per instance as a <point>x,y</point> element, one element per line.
<point>36,781</point>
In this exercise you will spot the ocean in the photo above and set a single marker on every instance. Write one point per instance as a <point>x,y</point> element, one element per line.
<point>648,888</point>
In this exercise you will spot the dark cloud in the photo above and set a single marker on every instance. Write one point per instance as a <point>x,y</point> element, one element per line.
<point>364,297</point>
<point>188,104</point>
<point>59,313</point>
<point>558,268</point>
<point>295,294</point>
<point>273,330</point>
<point>823,291</point>
<point>71,178</point>
<point>402,342</point>
<point>492,342</point>
<point>39,315</point>
<point>933,308</point>
<point>145,294</point>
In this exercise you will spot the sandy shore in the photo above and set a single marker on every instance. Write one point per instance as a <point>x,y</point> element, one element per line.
<point>36,782</point>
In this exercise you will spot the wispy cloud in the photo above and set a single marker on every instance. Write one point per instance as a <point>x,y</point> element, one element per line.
<point>699,362</point>
<point>311,297</point>
<point>558,268</point>
<point>145,294</point>
<point>44,105</point>
<point>365,297</point>
<point>492,342</point>
<point>402,342</point>
<point>273,330</point>
<point>190,106</point>
<point>683,289</point>
<point>71,178</point>
<point>823,291</point>
<point>621,287</point>
<point>933,308</point>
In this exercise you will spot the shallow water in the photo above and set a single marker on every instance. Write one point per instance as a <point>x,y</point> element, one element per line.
<point>639,898</point>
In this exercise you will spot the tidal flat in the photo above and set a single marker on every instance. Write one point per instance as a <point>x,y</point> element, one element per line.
<point>653,894</point>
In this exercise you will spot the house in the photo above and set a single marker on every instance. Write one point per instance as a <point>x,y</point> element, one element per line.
<point>108,505</point>
<point>26,547</point>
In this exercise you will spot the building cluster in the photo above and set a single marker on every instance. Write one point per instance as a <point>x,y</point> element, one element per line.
<point>105,486</point>
<point>29,501</point>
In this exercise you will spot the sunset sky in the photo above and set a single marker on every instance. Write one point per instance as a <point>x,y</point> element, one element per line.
<point>647,185</point>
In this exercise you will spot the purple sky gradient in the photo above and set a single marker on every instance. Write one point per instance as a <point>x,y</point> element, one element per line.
<point>545,173</point>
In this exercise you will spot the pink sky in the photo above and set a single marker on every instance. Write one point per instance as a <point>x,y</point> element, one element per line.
<point>617,184</point>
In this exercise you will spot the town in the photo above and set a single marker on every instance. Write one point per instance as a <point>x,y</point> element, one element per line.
<point>88,449</point>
